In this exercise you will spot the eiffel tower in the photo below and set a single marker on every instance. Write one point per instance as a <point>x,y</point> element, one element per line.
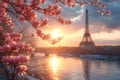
<point>87,40</point>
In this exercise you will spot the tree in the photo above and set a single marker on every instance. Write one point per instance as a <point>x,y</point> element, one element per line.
<point>12,50</point>
<point>14,54</point>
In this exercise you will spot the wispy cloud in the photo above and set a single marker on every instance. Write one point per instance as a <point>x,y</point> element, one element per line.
<point>80,15</point>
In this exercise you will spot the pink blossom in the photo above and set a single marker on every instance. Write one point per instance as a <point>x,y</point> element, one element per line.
<point>1,28</point>
<point>22,68</point>
<point>15,59</point>
<point>30,49</point>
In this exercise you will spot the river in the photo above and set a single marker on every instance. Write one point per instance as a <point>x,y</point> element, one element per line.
<point>75,68</point>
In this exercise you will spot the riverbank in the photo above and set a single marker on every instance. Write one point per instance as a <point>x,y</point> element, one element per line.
<point>76,51</point>
<point>100,57</point>
<point>3,76</point>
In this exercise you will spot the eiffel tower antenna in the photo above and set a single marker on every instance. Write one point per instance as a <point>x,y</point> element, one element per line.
<point>86,40</point>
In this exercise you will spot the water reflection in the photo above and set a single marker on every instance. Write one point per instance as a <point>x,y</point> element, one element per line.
<point>67,69</point>
<point>54,63</point>
<point>72,68</point>
<point>86,70</point>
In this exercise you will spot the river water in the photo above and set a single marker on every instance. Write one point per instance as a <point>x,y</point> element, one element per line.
<point>74,68</point>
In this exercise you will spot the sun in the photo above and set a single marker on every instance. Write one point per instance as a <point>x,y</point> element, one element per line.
<point>57,33</point>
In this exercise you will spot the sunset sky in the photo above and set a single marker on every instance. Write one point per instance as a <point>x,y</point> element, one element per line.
<point>105,30</point>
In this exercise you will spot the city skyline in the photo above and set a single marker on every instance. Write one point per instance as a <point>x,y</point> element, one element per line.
<point>104,29</point>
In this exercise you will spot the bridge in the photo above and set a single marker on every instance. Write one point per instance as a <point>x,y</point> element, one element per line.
<point>98,50</point>
<point>57,50</point>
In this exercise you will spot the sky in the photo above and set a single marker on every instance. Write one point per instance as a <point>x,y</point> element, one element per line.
<point>105,30</point>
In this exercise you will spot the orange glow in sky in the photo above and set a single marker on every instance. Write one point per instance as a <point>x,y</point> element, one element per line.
<point>72,36</point>
<point>56,33</point>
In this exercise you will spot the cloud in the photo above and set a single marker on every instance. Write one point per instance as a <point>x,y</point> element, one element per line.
<point>99,23</point>
<point>111,22</point>
<point>79,16</point>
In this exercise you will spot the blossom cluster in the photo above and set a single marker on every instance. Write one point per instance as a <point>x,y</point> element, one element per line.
<point>37,24</point>
<point>52,9</point>
<point>12,43</point>
<point>17,47</point>
<point>15,59</point>
<point>36,3</point>
<point>63,21</point>
<point>14,52</point>
<point>4,19</point>
<point>10,37</point>
<point>22,69</point>
<point>48,37</point>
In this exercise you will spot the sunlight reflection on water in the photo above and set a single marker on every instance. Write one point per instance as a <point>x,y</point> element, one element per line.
<point>54,63</point>
<point>72,68</point>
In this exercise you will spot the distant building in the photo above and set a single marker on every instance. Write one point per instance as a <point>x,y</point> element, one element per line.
<point>87,40</point>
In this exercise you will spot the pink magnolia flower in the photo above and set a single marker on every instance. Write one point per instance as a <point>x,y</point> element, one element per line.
<point>1,28</point>
<point>15,59</point>
<point>22,68</point>
<point>23,59</point>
